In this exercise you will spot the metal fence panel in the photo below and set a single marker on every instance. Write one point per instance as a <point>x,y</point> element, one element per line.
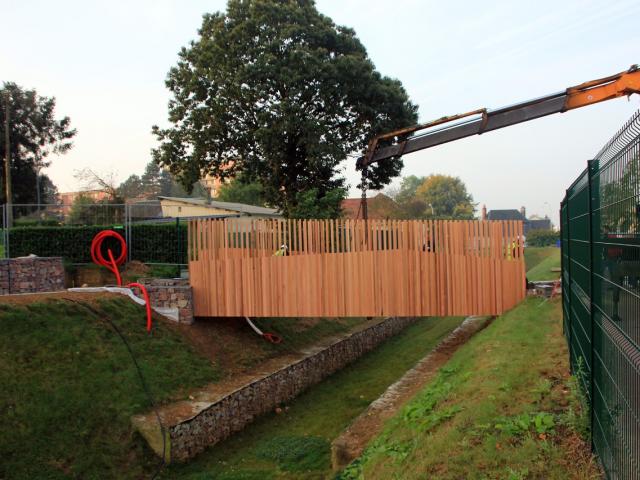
<point>600,237</point>
<point>67,231</point>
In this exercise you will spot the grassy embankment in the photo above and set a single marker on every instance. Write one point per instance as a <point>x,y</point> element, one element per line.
<point>540,261</point>
<point>69,385</point>
<point>504,407</point>
<point>69,388</point>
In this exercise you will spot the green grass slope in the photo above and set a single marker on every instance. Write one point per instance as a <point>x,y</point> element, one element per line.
<point>504,407</point>
<point>69,388</point>
<point>543,260</point>
<point>534,255</point>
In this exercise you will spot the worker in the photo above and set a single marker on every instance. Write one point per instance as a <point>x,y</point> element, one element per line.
<point>512,250</point>
<point>283,251</point>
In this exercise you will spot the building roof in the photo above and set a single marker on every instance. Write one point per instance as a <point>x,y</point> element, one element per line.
<point>231,206</point>
<point>541,224</point>
<point>511,214</point>
<point>379,207</point>
<point>351,207</point>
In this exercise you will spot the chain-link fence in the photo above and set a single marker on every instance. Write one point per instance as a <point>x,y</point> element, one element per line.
<point>67,231</point>
<point>600,232</point>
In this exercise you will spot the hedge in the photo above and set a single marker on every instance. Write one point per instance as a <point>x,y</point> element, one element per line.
<point>542,238</point>
<point>149,243</point>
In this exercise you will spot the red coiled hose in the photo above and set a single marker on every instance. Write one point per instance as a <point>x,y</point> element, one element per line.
<point>112,264</point>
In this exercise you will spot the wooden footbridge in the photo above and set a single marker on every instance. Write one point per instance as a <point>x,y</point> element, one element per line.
<point>345,268</point>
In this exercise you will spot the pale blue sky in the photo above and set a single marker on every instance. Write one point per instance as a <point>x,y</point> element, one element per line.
<point>106,63</point>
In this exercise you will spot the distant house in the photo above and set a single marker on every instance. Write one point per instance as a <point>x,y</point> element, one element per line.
<point>68,198</point>
<point>202,207</point>
<point>521,215</point>
<point>379,207</point>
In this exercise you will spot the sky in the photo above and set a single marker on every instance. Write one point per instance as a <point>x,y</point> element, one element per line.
<point>106,62</point>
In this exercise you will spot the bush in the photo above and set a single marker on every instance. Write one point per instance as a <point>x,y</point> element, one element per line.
<point>149,243</point>
<point>542,238</point>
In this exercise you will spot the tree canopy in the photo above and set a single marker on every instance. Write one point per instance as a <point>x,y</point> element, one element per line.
<point>34,134</point>
<point>154,182</point>
<point>434,197</point>
<point>446,197</point>
<point>278,92</point>
<point>240,191</point>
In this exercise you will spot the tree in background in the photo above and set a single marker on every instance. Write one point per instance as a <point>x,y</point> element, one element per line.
<point>131,188</point>
<point>409,205</point>
<point>241,191</point>
<point>34,134</point>
<point>435,196</point>
<point>276,91</point>
<point>445,197</point>
<point>92,180</point>
<point>87,211</point>
<point>542,238</point>
<point>154,182</point>
<point>309,205</point>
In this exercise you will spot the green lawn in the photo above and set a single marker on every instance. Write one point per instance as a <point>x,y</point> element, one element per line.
<point>295,444</point>
<point>69,388</point>
<point>540,261</point>
<point>504,407</point>
<point>543,269</point>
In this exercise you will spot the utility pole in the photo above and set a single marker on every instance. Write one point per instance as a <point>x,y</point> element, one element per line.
<point>7,161</point>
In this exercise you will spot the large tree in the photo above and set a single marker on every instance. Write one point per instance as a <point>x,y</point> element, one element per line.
<point>445,197</point>
<point>275,90</point>
<point>34,133</point>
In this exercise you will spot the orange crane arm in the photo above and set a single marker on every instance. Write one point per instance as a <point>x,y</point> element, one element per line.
<point>406,140</point>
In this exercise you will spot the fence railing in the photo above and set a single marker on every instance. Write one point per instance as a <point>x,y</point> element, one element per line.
<point>67,231</point>
<point>280,268</point>
<point>600,236</point>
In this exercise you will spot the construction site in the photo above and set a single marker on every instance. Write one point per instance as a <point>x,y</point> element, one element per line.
<point>259,343</point>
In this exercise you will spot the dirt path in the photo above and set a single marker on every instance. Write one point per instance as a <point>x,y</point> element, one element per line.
<point>352,442</point>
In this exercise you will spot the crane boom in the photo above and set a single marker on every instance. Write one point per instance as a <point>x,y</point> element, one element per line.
<point>407,140</point>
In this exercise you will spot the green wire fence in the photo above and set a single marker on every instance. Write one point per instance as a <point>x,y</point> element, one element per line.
<point>600,236</point>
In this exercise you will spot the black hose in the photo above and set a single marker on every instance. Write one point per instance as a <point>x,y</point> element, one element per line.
<point>145,387</point>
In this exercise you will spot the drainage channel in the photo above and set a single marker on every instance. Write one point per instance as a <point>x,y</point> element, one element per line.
<point>294,439</point>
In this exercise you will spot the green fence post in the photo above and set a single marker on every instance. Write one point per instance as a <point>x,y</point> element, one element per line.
<point>179,258</point>
<point>569,323</point>
<point>590,165</point>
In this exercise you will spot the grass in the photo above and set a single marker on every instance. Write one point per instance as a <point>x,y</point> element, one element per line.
<point>503,407</point>
<point>295,444</point>
<point>69,388</point>
<point>540,261</point>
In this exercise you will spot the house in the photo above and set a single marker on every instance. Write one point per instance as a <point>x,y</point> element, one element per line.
<point>202,207</point>
<point>379,207</point>
<point>521,215</point>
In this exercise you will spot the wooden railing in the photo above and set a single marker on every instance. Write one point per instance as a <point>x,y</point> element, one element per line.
<point>343,268</point>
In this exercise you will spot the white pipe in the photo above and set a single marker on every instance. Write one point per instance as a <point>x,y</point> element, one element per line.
<point>255,329</point>
<point>172,313</point>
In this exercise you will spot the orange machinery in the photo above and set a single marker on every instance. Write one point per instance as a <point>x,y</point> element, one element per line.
<point>394,144</point>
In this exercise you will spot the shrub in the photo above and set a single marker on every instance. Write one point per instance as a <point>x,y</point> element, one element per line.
<point>542,238</point>
<point>149,243</point>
